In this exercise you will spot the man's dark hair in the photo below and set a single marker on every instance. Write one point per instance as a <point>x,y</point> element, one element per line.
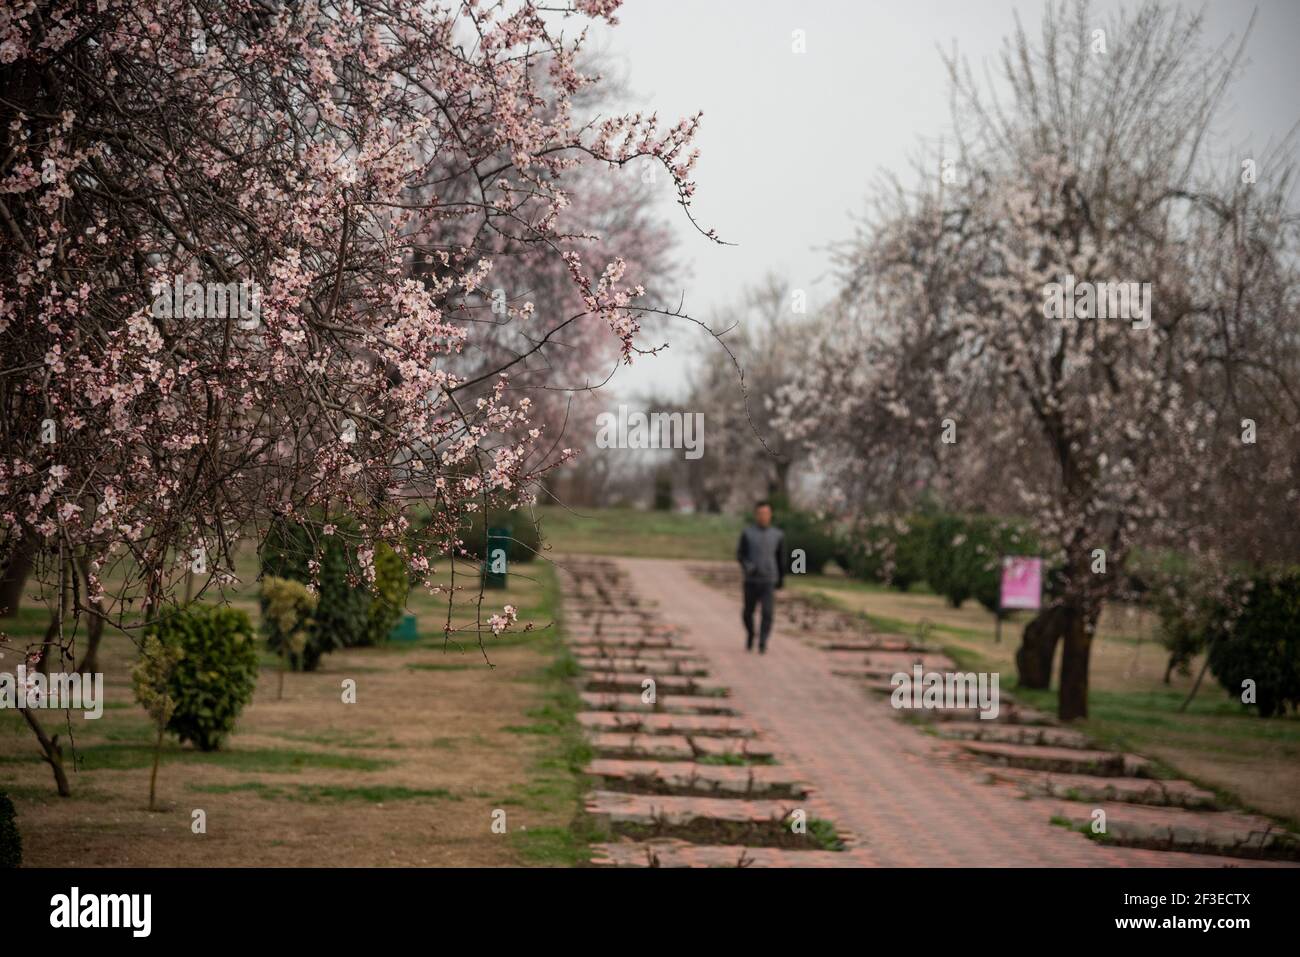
<point>761,502</point>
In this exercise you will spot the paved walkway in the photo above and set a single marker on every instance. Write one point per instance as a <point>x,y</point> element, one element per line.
<point>871,770</point>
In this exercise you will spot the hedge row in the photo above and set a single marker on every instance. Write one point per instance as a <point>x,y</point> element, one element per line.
<point>959,556</point>
<point>1251,633</point>
<point>349,613</point>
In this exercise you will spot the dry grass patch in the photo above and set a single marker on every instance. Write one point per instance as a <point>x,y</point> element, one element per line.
<point>408,775</point>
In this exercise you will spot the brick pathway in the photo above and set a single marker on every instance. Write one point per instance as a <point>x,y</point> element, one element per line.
<point>878,777</point>
<point>681,777</point>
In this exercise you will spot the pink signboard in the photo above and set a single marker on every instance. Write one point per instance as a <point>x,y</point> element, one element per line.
<point>1022,582</point>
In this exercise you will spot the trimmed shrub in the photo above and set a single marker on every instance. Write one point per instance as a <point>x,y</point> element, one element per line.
<point>215,675</point>
<point>911,543</point>
<point>863,552</point>
<point>11,844</point>
<point>288,610</point>
<point>805,530</point>
<point>960,556</point>
<point>953,556</point>
<point>1262,644</point>
<point>889,550</point>
<point>343,609</point>
<point>388,601</point>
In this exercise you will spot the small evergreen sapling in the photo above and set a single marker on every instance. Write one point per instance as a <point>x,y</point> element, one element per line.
<point>151,679</point>
<point>288,608</point>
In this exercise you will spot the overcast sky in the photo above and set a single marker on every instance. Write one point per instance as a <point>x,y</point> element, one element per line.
<point>791,143</point>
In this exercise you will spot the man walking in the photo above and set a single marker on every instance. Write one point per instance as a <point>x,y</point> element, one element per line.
<point>761,553</point>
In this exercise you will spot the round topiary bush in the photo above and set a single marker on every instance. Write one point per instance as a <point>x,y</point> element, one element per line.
<point>216,673</point>
<point>1262,644</point>
<point>11,844</point>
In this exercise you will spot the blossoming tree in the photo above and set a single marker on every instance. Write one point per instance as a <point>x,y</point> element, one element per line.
<point>364,165</point>
<point>1108,427</point>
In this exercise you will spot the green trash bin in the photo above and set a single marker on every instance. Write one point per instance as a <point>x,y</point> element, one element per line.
<point>498,557</point>
<point>405,630</point>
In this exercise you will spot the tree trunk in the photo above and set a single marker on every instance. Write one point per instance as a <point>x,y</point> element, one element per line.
<point>53,753</point>
<point>1075,657</point>
<point>50,641</point>
<point>779,486</point>
<point>94,634</point>
<point>1038,648</point>
<point>153,775</point>
<point>1200,676</point>
<point>14,577</point>
<point>94,620</point>
<point>54,632</point>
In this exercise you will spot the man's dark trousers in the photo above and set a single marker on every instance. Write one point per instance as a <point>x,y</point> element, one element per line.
<point>757,592</point>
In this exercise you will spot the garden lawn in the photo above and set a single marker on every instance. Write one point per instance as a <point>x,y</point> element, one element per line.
<point>644,534</point>
<point>442,734</point>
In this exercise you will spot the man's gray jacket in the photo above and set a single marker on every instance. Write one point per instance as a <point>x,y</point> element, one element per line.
<point>761,553</point>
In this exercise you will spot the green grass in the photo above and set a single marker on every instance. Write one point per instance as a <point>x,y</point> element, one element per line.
<point>843,583</point>
<point>556,780</point>
<point>733,760</point>
<point>643,534</point>
<point>121,757</point>
<point>933,632</point>
<point>42,793</point>
<point>30,622</point>
<point>338,739</point>
<point>130,731</point>
<point>824,833</point>
<point>466,643</point>
<point>320,793</point>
